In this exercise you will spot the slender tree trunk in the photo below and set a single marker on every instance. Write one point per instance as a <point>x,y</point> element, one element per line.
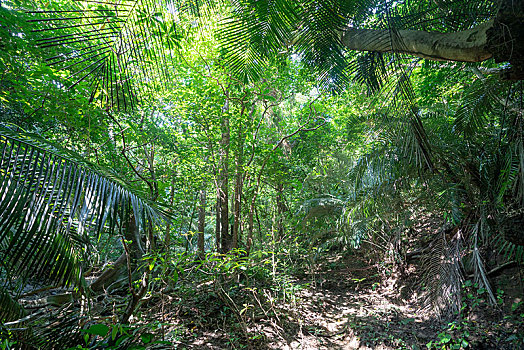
<point>281,209</point>
<point>237,209</point>
<point>217,223</point>
<point>223,182</point>
<point>190,240</point>
<point>239,184</point>
<point>258,180</point>
<point>250,217</point>
<point>167,239</point>
<point>132,235</point>
<point>201,223</point>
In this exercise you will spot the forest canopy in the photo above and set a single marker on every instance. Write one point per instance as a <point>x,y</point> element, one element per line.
<point>172,169</point>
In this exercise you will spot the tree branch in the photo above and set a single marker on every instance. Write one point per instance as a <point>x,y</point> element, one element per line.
<point>468,45</point>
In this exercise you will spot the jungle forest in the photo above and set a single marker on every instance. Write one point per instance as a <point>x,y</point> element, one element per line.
<point>261,174</point>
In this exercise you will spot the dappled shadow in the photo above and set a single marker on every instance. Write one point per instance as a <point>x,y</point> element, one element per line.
<point>341,305</point>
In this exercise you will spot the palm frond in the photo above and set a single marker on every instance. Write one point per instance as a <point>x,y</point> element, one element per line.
<point>478,104</point>
<point>442,16</point>
<point>442,273</point>
<point>369,69</point>
<point>46,329</point>
<point>58,329</point>
<point>254,32</point>
<point>119,49</point>
<point>479,269</point>
<point>52,202</point>
<point>519,148</point>
<point>9,308</point>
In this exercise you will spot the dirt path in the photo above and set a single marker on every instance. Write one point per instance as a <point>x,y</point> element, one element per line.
<point>351,309</point>
<point>342,304</point>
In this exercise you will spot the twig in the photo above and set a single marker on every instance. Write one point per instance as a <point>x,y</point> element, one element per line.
<point>36,291</point>
<point>497,269</point>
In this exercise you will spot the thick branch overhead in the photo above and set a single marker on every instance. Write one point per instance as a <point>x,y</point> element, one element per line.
<point>466,46</point>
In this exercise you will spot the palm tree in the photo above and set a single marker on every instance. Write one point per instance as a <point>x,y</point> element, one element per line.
<point>474,188</point>
<point>121,49</point>
<point>53,204</point>
<point>118,52</point>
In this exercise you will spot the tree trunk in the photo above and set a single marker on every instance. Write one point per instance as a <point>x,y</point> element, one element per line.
<point>250,217</point>
<point>189,241</point>
<point>117,269</point>
<point>500,38</point>
<point>466,46</point>
<point>217,223</point>
<point>132,235</point>
<point>237,208</point>
<point>239,183</point>
<point>201,222</point>
<point>281,209</point>
<point>110,275</point>
<point>223,183</point>
<point>167,238</point>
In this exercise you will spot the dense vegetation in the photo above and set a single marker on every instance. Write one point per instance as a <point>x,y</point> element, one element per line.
<point>261,174</point>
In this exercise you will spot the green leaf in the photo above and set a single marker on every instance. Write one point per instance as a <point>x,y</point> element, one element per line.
<point>114,332</point>
<point>515,306</point>
<point>146,338</point>
<point>97,329</point>
<point>444,338</point>
<point>121,339</point>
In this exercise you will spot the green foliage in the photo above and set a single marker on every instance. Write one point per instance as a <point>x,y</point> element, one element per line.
<point>454,336</point>
<point>117,336</point>
<point>49,196</point>
<point>466,333</point>
<point>54,203</point>
<point>405,156</point>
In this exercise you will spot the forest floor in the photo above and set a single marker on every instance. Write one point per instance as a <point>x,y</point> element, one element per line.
<point>343,304</point>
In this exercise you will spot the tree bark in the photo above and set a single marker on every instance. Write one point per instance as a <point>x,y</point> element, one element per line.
<point>223,182</point>
<point>236,209</point>
<point>217,222</point>
<point>167,238</point>
<point>281,209</point>
<point>132,235</point>
<point>239,184</point>
<point>109,275</point>
<point>201,222</point>
<point>500,38</point>
<point>251,214</point>
<point>469,45</point>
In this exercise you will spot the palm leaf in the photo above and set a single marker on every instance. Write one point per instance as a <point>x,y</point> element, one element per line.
<point>9,308</point>
<point>254,32</point>
<point>45,329</point>
<point>443,273</point>
<point>52,202</point>
<point>479,268</point>
<point>121,49</point>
